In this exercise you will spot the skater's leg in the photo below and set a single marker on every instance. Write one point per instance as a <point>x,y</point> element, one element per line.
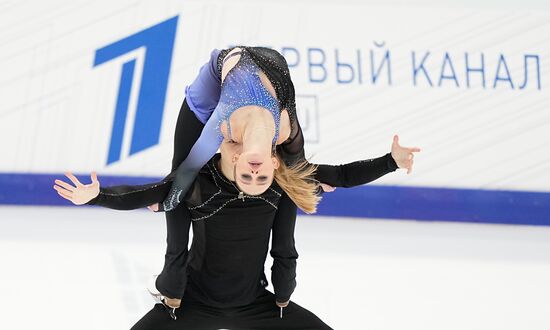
<point>190,315</point>
<point>188,130</point>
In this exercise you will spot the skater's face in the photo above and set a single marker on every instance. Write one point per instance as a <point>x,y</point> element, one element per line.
<point>253,173</point>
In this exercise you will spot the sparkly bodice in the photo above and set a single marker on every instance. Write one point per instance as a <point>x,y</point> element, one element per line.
<point>243,87</point>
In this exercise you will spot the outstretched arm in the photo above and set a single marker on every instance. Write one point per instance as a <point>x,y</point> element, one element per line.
<point>117,197</point>
<point>127,197</point>
<point>365,171</point>
<point>356,173</point>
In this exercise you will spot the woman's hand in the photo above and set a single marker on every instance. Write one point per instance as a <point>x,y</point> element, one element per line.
<point>154,207</point>
<point>403,156</point>
<point>79,193</point>
<point>327,187</point>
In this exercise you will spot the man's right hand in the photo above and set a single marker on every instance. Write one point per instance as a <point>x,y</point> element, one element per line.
<point>79,193</point>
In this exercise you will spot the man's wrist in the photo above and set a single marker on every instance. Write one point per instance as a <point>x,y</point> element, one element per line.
<point>390,162</point>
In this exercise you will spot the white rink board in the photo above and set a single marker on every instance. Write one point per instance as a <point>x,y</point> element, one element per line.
<point>57,108</point>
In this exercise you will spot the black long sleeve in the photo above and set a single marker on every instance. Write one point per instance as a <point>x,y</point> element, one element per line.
<point>348,175</point>
<point>283,251</point>
<point>356,173</point>
<point>127,197</point>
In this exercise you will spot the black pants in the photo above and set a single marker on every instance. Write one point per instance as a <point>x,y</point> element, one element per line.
<point>261,314</point>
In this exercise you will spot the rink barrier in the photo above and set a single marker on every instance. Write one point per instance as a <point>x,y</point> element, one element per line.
<point>369,201</point>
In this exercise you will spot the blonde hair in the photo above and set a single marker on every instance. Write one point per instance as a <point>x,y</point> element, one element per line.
<point>298,183</point>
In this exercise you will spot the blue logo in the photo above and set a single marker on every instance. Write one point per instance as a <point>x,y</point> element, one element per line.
<point>158,43</point>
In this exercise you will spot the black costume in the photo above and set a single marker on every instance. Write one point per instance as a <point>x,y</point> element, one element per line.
<point>221,278</point>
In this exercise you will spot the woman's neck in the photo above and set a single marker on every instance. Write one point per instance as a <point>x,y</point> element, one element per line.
<point>258,133</point>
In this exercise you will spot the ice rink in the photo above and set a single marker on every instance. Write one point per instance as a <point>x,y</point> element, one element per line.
<point>87,268</point>
<point>99,86</point>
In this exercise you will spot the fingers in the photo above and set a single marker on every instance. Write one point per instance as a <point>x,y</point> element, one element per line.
<point>327,188</point>
<point>64,193</point>
<point>403,155</point>
<point>94,177</point>
<point>73,179</point>
<point>67,197</point>
<point>154,207</point>
<point>63,190</point>
<point>410,167</point>
<point>396,142</point>
<point>64,185</point>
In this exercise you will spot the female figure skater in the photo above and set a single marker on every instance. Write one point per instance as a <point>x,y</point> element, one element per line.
<point>256,107</point>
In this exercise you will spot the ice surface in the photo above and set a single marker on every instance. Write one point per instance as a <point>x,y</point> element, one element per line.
<point>86,268</point>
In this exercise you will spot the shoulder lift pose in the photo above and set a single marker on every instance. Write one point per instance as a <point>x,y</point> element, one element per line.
<point>233,203</point>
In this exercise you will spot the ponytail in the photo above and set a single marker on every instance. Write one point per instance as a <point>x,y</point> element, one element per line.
<point>298,183</point>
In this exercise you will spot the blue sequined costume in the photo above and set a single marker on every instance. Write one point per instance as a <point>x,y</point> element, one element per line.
<point>242,87</point>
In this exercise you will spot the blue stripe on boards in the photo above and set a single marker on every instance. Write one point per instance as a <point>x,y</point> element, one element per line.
<point>370,201</point>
